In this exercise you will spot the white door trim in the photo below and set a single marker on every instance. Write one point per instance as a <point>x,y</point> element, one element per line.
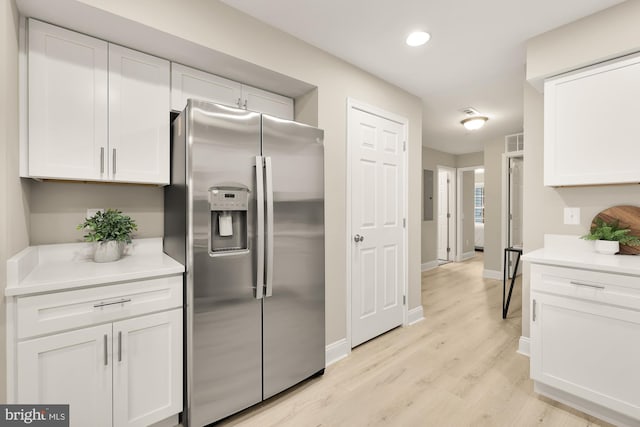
<point>459,172</point>
<point>358,105</point>
<point>504,229</point>
<point>452,209</point>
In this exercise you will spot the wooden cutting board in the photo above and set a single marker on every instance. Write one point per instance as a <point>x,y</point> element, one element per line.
<point>629,217</point>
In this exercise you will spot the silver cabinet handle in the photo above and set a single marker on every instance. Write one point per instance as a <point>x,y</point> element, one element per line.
<point>106,354</point>
<point>245,104</point>
<point>588,285</point>
<point>260,227</point>
<point>104,304</point>
<point>114,162</point>
<point>101,160</point>
<point>239,103</point>
<point>269,197</point>
<point>358,238</point>
<point>119,346</point>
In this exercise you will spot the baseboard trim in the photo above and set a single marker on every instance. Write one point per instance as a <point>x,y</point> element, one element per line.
<point>415,315</point>
<point>523,346</point>
<point>585,406</point>
<point>335,351</point>
<point>429,265</point>
<point>492,274</point>
<point>468,255</point>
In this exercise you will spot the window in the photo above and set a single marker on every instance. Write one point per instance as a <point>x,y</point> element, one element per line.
<point>478,204</point>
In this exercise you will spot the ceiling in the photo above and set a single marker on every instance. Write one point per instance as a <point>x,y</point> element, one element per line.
<point>476,56</point>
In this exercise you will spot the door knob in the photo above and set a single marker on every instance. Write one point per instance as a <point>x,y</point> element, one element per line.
<point>358,238</point>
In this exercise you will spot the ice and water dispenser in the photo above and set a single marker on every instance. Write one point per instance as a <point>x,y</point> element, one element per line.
<point>228,222</point>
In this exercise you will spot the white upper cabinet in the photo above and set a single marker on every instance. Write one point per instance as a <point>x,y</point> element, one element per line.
<point>67,103</point>
<point>259,100</point>
<point>590,125</point>
<point>191,83</point>
<point>97,111</point>
<point>138,116</point>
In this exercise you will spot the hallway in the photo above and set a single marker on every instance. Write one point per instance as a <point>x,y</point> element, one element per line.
<point>458,367</point>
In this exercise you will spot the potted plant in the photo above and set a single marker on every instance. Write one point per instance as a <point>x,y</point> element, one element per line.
<point>609,236</point>
<point>111,230</point>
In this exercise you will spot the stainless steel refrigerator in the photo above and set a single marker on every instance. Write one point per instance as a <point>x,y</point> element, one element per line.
<point>245,214</point>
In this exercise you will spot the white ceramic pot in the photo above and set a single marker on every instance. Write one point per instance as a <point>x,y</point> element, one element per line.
<point>607,247</point>
<point>108,251</point>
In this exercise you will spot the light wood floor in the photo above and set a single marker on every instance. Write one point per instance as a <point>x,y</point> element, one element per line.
<point>458,367</point>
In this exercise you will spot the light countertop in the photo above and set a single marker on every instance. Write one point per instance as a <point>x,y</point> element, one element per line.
<point>50,268</point>
<point>573,252</point>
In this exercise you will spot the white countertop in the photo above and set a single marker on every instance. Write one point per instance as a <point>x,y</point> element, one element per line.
<point>50,268</point>
<point>571,251</point>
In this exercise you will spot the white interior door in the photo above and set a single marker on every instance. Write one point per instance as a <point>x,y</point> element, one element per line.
<point>377,241</point>
<point>444,214</point>
<point>516,192</point>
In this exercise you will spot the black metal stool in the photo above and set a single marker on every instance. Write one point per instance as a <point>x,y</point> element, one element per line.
<point>505,306</point>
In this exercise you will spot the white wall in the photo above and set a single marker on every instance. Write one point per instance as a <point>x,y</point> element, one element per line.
<point>607,34</point>
<point>14,194</point>
<point>493,205</point>
<point>215,26</point>
<point>431,159</point>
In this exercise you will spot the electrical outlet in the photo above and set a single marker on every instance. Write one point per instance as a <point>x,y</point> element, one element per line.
<point>572,216</point>
<point>93,211</point>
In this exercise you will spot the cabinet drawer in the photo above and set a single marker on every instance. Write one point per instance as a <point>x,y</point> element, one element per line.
<point>44,314</point>
<point>606,288</point>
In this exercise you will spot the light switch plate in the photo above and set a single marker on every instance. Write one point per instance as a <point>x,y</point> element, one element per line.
<point>93,211</point>
<point>572,216</point>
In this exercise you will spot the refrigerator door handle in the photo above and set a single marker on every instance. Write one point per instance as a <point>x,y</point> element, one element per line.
<point>260,227</point>
<point>269,250</point>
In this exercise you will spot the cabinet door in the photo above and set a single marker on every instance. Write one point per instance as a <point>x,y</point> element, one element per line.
<point>139,97</point>
<point>67,103</point>
<point>147,374</point>
<point>190,83</point>
<point>590,130</point>
<point>70,368</point>
<point>587,349</point>
<point>259,100</point>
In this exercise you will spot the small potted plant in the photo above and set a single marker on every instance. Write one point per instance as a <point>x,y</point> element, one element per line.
<point>111,230</point>
<point>609,236</point>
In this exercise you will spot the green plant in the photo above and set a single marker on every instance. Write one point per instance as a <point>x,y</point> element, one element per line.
<point>601,230</point>
<point>108,225</point>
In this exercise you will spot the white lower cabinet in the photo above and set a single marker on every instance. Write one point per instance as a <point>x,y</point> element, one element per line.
<point>127,373</point>
<point>113,353</point>
<point>584,341</point>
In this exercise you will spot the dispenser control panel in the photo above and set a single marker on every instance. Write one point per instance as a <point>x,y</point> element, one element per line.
<point>227,199</point>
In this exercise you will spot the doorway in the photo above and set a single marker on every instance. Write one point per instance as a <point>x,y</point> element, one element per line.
<point>446,214</point>
<point>470,209</point>
<point>376,221</point>
<point>515,192</point>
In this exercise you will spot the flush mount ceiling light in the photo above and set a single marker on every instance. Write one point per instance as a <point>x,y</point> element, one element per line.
<point>418,38</point>
<point>475,122</point>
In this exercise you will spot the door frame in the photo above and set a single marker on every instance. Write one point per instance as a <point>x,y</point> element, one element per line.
<point>459,173</point>
<point>370,109</point>
<point>504,206</point>
<point>453,238</point>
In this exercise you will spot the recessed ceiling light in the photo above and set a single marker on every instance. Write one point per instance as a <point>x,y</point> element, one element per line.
<point>418,38</point>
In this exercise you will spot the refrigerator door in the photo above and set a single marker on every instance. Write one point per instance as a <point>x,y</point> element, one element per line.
<point>293,308</point>
<point>225,360</point>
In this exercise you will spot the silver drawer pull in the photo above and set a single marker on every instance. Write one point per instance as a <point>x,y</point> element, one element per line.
<point>103,304</point>
<point>587,285</point>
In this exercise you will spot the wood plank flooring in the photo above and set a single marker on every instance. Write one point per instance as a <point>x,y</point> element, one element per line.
<point>458,367</point>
